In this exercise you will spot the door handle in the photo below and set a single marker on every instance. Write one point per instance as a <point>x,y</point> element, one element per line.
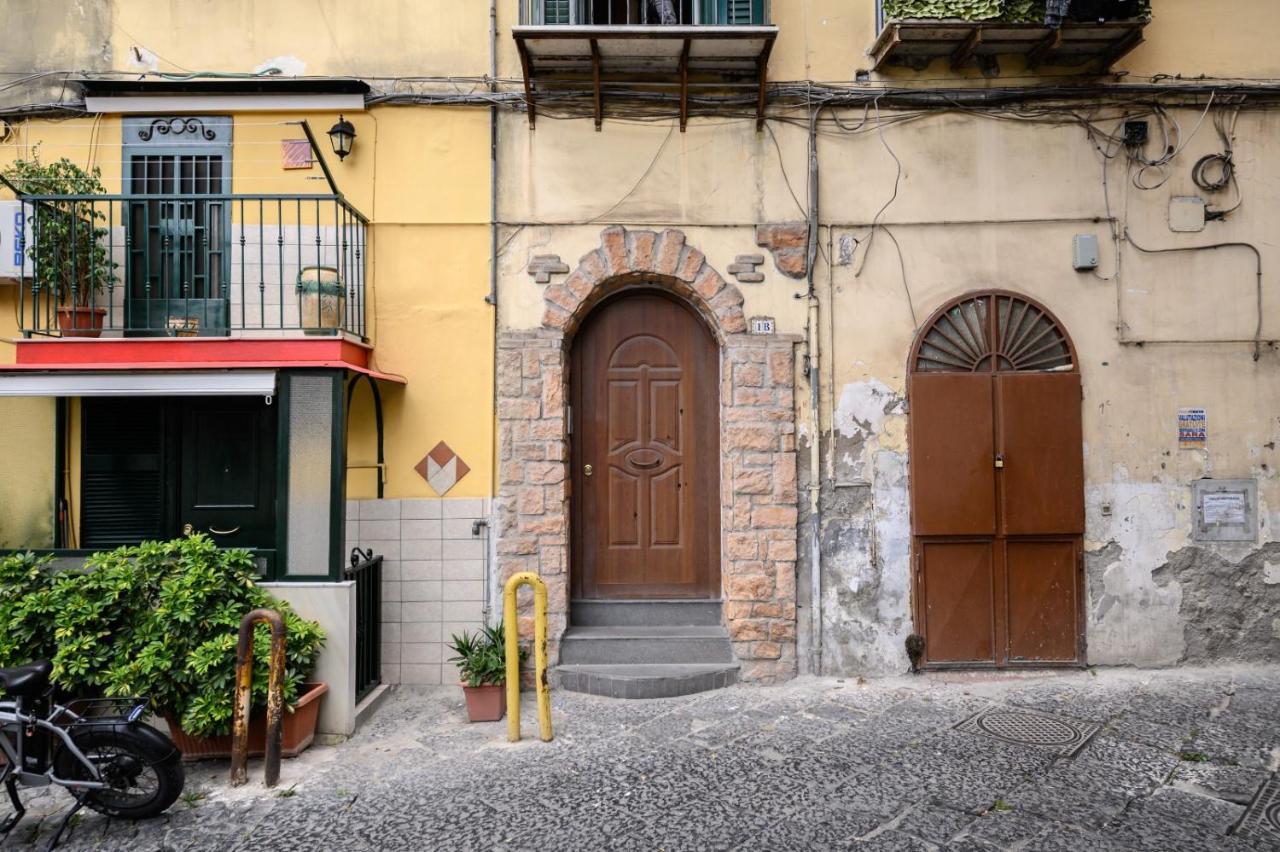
<point>999,461</point>
<point>188,530</point>
<point>224,532</point>
<point>586,470</point>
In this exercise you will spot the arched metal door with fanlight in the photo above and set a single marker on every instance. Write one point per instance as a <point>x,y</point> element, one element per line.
<point>997,484</point>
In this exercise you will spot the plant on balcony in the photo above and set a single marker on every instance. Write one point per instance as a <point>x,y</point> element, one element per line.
<point>159,619</point>
<point>481,659</point>
<point>1007,11</point>
<point>69,248</point>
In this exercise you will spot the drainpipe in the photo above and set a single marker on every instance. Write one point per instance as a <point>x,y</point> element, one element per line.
<point>813,374</point>
<point>492,298</point>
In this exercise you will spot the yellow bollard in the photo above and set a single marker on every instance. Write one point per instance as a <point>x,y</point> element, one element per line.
<point>512,627</point>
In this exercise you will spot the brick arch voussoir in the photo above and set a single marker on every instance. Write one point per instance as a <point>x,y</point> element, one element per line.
<point>632,258</point>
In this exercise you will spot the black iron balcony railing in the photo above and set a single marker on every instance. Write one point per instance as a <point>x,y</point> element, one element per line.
<point>192,265</point>
<point>644,12</point>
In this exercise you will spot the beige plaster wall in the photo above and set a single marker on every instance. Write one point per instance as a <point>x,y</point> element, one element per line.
<point>980,203</point>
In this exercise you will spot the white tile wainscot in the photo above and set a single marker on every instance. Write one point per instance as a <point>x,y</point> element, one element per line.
<point>432,578</point>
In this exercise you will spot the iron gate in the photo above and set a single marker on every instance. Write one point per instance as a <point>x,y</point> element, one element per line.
<point>366,570</point>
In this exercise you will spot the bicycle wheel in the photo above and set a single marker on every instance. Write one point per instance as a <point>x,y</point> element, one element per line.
<point>143,777</point>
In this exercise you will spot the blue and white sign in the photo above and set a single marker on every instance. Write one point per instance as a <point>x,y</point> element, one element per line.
<point>13,234</point>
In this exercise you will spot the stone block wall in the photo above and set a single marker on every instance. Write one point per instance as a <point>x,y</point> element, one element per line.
<point>757,443</point>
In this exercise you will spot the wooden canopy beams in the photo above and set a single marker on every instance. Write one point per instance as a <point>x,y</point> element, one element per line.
<point>572,58</point>
<point>916,43</point>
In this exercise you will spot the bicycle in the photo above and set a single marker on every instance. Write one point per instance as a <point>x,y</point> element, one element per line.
<point>97,749</point>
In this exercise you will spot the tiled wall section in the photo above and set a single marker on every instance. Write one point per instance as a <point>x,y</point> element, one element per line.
<point>432,580</point>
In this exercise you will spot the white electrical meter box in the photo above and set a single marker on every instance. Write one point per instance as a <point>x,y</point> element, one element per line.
<point>1225,510</point>
<point>14,231</point>
<point>1084,252</point>
<point>1186,214</point>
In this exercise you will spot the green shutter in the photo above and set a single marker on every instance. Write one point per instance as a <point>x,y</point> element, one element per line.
<point>733,12</point>
<point>123,472</point>
<point>555,11</point>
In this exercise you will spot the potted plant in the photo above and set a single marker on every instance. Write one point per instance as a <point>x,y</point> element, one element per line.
<point>481,659</point>
<point>69,248</point>
<point>161,619</point>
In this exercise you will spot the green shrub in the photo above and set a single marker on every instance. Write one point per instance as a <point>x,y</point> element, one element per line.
<point>159,619</point>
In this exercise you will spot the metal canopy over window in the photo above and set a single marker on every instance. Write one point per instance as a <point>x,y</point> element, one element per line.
<point>168,383</point>
<point>558,58</point>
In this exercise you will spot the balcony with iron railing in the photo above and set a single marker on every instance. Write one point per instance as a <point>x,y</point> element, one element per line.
<point>644,12</point>
<point>207,265</point>
<point>618,47</point>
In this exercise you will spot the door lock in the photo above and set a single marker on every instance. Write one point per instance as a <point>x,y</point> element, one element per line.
<point>999,461</point>
<point>586,470</point>
<point>187,529</point>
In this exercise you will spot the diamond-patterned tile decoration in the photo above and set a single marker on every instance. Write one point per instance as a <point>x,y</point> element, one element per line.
<point>1262,819</point>
<point>442,469</point>
<point>1025,727</point>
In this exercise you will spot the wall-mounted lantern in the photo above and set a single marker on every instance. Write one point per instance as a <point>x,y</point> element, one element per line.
<point>341,135</point>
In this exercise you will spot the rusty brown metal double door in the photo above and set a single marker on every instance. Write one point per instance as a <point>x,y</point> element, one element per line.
<point>997,478</point>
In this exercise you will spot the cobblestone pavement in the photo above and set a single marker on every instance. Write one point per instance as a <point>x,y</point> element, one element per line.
<point>1171,762</point>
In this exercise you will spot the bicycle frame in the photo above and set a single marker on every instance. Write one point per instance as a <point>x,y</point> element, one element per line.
<point>12,718</point>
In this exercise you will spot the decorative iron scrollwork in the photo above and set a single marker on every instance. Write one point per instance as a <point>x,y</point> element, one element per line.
<point>177,127</point>
<point>359,556</point>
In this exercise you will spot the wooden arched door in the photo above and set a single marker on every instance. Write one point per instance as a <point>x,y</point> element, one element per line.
<point>997,485</point>
<point>645,452</point>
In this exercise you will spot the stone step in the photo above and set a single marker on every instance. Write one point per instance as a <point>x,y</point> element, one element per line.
<point>646,681</point>
<point>640,613</point>
<point>625,645</point>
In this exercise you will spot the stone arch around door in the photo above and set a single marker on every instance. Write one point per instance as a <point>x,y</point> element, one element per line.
<point>997,485</point>
<point>758,507</point>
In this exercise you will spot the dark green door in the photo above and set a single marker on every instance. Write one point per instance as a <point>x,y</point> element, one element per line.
<point>229,470</point>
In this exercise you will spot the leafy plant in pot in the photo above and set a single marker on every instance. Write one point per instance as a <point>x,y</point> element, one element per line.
<point>69,248</point>
<point>481,659</point>
<point>159,619</point>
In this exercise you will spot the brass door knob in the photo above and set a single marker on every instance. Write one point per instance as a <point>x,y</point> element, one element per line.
<point>586,470</point>
<point>187,529</point>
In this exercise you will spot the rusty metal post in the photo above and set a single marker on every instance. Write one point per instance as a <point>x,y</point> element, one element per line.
<point>511,628</point>
<point>244,697</point>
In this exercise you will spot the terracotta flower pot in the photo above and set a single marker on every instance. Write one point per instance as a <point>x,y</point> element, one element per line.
<point>81,322</point>
<point>299,729</point>
<point>485,703</point>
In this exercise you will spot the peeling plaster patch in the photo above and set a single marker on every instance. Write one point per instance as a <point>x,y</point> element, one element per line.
<point>289,66</point>
<point>1228,610</point>
<point>866,542</point>
<point>1133,618</point>
<point>1271,573</point>
<point>864,407</point>
<point>869,413</point>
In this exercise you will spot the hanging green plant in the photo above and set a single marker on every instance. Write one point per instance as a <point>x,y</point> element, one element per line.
<point>1008,11</point>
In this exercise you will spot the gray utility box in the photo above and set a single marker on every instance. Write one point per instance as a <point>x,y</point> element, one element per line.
<point>1084,252</point>
<point>1225,510</point>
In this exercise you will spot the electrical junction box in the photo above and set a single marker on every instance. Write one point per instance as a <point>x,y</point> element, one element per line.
<point>1084,252</point>
<point>1186,214</point>
<point>1225,510</point>
<point>14,230</point>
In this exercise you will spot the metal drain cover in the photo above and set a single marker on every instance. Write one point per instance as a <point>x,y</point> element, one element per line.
<point>1262,819</point>
<point>1025,727</point>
